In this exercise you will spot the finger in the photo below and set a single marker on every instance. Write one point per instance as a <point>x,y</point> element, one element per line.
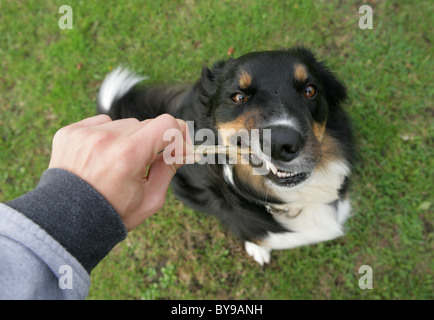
<point>120,127</point>
<point>146,122</point>
<point>151,138</point>
<point>92,121</point>
<point>126,126</point>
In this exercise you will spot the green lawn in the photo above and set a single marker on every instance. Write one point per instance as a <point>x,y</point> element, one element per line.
<point>50,77</point>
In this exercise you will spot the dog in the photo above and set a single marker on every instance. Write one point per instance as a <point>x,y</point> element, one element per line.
<point>304,196</point>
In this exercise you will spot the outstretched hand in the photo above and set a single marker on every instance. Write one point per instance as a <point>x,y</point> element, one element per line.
<point>121,159</point>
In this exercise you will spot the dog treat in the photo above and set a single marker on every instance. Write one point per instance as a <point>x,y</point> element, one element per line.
<point>221,149</point>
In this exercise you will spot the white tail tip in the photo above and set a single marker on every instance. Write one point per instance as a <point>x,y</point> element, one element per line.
<point>116,84</point>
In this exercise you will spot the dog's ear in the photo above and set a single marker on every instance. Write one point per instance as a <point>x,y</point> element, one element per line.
<point>208,82</point>
<point>334,90</point>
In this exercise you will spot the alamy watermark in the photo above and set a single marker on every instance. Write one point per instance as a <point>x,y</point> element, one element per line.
<point>66,20</point>
<point>66,277</point>
<point>366,21</point>
<point>365,281</point>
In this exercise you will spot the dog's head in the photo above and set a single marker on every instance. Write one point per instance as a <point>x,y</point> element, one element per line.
<point>287,92</point>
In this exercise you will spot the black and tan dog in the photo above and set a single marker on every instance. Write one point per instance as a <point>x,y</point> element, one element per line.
<point>303,198</point>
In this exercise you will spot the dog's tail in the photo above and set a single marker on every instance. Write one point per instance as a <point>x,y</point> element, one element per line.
<point>122,96</point>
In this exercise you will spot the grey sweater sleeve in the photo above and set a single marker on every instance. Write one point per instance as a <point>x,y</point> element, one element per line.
<point>68,215</point>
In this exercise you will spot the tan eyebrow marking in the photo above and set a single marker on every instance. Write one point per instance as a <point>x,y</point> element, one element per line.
<point>245,80</point>
<point>300,72</point>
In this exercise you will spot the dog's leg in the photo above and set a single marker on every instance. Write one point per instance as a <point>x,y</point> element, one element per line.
<point>259,253</point>
<point>282,241</point>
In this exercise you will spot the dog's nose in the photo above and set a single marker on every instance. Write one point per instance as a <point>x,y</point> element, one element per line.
<point>286,143</point>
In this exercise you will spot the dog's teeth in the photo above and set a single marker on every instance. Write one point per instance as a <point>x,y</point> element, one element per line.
<point>285,174</point>
<point>281,174</point>
<point>273,168</point>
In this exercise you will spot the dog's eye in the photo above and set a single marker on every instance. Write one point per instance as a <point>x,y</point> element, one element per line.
<point>309,92</point>
<point>239,97</point>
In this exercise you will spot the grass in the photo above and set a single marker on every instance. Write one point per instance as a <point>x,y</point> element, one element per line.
<point>50,78</point>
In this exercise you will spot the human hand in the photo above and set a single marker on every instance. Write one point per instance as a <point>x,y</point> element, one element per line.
<point>114,156</point>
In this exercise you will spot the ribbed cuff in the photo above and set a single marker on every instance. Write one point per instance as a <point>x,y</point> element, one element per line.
<point>74,214</point>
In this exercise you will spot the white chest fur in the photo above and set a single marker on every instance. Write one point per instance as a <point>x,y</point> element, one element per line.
<point>316,223</point>
<point>315,213</point>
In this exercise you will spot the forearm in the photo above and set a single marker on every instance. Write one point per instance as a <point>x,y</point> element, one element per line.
<point>70,212</point>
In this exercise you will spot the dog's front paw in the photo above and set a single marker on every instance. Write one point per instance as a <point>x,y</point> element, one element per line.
<point>260,254</point>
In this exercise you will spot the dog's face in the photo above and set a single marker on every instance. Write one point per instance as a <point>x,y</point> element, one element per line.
<point>287,92</point>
